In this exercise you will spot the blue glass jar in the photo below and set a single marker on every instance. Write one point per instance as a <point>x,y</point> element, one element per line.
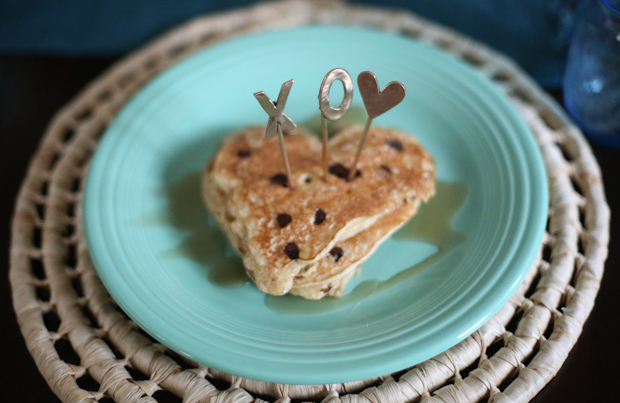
<point>592,79</point>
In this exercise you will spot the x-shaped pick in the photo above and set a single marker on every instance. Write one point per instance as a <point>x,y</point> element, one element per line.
<point>275,110</point>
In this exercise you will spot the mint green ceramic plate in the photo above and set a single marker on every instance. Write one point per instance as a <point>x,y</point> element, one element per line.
<point>434,282</point>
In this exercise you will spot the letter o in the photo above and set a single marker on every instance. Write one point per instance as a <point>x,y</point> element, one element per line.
<point>327,110</point>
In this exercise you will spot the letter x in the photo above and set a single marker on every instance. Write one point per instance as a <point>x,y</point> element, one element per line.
<point>276,110</point>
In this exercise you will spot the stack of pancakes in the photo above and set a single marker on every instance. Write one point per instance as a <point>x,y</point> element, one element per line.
<point>309,236</point>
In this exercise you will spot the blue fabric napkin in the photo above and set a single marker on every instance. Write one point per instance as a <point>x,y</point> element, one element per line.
<point>535,33</point>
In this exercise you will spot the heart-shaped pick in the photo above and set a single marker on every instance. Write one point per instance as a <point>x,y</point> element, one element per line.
<point>378,102</point>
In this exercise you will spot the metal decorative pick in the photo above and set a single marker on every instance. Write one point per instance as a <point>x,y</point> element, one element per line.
<point>327,111</point>
<point>278,120</point>
<point>376,103</point>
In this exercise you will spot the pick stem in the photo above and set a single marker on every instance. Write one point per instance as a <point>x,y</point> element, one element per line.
<point>286,164</point>
<point>325,162</point>
<point>359,148</point>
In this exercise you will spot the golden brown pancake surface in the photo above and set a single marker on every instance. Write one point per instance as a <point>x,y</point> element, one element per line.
<point>286,233</point>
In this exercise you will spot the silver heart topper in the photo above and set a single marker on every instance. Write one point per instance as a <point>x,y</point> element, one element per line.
<point>376,103</point>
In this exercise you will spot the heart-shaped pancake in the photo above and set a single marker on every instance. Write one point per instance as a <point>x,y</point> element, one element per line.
<point>310,240</point>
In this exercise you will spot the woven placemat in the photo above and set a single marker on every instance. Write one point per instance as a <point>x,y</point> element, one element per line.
<point>89,350</point>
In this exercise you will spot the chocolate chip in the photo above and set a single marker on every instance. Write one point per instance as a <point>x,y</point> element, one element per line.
<point>336,252</point>
<point>386,168</point>
<point>308,179</point>
<point>327,289</point>
<point>283,220</point>
<point>279,179</point>
<point>341,171</point>
<point>291,250</point>
<point>396,145</point>
<point>244,153</point>
<point>319,216</point>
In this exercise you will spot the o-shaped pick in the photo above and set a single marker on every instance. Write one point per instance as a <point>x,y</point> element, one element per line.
<point>327,111</point>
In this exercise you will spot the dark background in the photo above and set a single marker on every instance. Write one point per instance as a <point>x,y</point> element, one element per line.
<point>32,89</point>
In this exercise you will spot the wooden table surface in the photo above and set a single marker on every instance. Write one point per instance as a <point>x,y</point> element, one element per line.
<point>32,89</point>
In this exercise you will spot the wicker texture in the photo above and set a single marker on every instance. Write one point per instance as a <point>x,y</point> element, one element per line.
<point>88,350</point>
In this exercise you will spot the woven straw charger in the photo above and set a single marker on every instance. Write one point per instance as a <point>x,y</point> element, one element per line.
<point>89,350</point>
